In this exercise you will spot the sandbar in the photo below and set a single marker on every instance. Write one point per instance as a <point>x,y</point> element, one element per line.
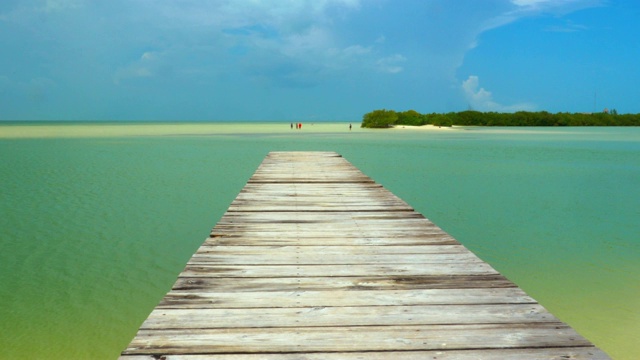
<point>97,129</point>
<point>425,128</point>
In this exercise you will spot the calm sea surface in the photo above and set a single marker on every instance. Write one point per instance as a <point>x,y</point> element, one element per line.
<point>96,222</point>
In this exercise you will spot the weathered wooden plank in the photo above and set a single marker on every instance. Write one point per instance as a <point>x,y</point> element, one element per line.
<point>286,251</point>
<point>244,271</point>
<point>306,176</point>
<point>274,219</point>
<point>311,192</point>
<point>319,238</point>
<point>336,224</point>
<point>319,258</point>
<point>266,207</point>
<point>340,218</point>
<point>346,316</point>
<point>201,284</point>
<point>355,338</point>
<point>318,233</point>
<point>219,239</point>
<point>305,298</point>
<point>329,216</point>
<point>317,230</point>
<point>319,194</point>
<point>330,250</point>
<point>320,254</point>
<point>564,353</point>
<point>302,229</point>
<point>575,353</point>
<point>379,219</point>
<point>284,190</point>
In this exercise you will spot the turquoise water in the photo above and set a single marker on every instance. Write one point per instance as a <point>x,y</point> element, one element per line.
<point>95,228</point>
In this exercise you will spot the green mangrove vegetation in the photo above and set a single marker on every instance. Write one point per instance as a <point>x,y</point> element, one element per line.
<point>386,118</point>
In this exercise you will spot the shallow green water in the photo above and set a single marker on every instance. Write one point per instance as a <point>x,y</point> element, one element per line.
<point>95,228</point>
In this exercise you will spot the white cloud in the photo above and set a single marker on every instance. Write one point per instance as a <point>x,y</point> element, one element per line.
<point>148,56</point>
<point>474,93</point>
<point>300,32</point>
<point>532,3</point>
<point>482,100</point>
<point>304,57</point>
<point>356,50</point>
<point>280,40</point>
<point>145,67</point>
<point>527,8</point>
<point>567,27</point>
<point>286,15</point>
<point>552,5</point>
<point>391,64</point>
<point>305,43</point>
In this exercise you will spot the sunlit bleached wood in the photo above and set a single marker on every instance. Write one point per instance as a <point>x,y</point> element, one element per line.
<point>314,260</point>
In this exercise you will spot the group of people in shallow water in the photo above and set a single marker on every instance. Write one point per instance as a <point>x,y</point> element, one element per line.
<point>299,126</point>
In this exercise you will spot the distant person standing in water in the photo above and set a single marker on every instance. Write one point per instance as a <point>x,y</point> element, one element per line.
<point>291,126</point>
<point>349,127</point>
<point>299,125</point>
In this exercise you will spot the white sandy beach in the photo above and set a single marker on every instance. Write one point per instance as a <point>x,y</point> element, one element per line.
<point>97,129</point>
<point>425,128</point>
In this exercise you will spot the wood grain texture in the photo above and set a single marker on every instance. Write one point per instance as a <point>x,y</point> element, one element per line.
<point>578,353</point>
<point>314,260</point>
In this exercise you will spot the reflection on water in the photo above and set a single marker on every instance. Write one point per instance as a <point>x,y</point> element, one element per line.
<point>96,224</point>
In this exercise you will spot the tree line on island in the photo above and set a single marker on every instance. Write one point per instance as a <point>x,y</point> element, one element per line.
<point>387,118</point>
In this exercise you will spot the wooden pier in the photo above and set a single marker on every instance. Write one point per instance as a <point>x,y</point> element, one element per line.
<point>314,260</point>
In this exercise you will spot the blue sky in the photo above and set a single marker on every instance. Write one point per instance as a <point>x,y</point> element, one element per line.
<point>313,60</point>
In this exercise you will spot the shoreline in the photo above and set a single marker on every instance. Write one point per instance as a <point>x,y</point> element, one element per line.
<point>427,127</point>
<point>104,130</point>
<point>152,129</point>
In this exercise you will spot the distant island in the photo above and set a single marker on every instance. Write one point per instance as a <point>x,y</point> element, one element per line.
<point>389,118</point>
